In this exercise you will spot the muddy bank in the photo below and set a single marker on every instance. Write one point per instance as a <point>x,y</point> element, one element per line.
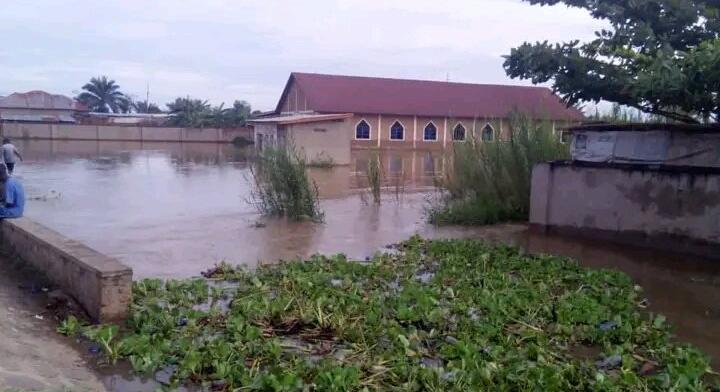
<point>32,356</point>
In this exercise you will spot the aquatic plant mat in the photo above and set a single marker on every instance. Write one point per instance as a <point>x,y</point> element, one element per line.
<point>428,315</point>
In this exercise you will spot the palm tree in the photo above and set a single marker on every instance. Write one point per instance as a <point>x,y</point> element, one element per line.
<point>189,112</point>
<point>146,107</point>
<point>103,95</point>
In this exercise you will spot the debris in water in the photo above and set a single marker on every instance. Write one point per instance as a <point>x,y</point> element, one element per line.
<point>425,277</point>
<point>609,363</point>
<point>164,375</point>
<point>608,325</point>
<point>451,340</point>
<point>39,317</point>
<point>431,363</point>
<point>474,314</point>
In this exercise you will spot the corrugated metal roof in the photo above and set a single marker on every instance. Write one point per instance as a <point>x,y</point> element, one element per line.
<point>40,100</point>
<point>66,118</point>
<point>300,118</point>
<point>354,94</point>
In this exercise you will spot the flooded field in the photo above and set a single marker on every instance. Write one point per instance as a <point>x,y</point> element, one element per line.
<point>173,210</point>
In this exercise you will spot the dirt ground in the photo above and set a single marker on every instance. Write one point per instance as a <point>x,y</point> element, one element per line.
<point>32,356</point>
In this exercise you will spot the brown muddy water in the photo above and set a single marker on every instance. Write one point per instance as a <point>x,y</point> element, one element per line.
<point>172,210</point>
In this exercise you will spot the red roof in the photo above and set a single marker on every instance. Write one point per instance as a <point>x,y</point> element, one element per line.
<point>355,94</point>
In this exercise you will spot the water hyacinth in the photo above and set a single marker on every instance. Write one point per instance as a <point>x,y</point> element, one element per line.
<point>437,315</point>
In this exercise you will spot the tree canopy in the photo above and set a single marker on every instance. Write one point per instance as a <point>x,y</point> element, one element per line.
<point>103,95</point>
<point>146,107</point>
<point>191,112</point>
<point>660,56</point>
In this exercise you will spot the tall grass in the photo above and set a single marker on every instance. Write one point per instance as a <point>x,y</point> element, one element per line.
<point>489,182</point>
<point>374,174</point>
<point>282,187</point>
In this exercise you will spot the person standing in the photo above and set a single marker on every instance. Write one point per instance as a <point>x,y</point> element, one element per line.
<point>9,152</point>
<point>14,204</point>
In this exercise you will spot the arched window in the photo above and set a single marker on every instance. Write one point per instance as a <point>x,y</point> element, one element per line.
<point>430,132</point>
<point>362,130</point>
<point>488,133</point>
<point>459,133</point>
<point>397,131</point>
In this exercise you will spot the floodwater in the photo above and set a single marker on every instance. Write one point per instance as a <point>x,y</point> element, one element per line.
<point>173,210</point>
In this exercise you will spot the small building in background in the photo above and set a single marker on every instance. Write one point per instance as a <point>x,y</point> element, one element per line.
<point>40,106</point>
<point>643,184</point>
<point>319,137</point>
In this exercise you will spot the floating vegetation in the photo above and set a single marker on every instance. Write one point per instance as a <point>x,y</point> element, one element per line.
<point>433,316</point>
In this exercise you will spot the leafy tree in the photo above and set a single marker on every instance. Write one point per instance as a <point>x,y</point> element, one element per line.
<point>103,95</point>
<point>660,56</point>
<point>237,115</point>
<point>189,112</point>
<point>146,107</point>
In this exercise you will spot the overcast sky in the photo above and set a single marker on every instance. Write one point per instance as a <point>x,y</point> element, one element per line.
<point>222,50</point>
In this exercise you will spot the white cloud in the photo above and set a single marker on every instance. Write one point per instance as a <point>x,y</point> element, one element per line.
<point>230,49</point>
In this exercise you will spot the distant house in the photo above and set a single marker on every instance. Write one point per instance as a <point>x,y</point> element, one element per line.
<point>39,106</point>
<point>398,113</point>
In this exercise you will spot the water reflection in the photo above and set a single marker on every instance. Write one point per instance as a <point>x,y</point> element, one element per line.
<point>171,209</point>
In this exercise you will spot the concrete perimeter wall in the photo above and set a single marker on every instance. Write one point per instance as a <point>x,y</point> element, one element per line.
<point>100,284</point>
<point>120,133</point>
<point>676,208</point>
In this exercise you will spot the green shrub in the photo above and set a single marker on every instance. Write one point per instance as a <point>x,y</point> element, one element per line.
<point>489,182</point>
<point>282,187</point>
<point>374,174</point>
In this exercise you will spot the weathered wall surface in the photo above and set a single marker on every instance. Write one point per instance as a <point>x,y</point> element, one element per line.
<point>120,133</point>
<point>101,284</point>
<point>674,207</point>
<point>319,141</point>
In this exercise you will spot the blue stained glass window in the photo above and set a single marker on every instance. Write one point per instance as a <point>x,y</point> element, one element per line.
<point>459,133</point>
<point>430,132</point>
<point>362,130</point>
<point>397,131</point>
<point>488,133</point>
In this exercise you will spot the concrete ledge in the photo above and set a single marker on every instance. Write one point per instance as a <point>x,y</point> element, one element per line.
<point>100,284</point>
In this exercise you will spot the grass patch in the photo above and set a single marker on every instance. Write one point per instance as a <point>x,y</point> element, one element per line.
<point>489,182</point>
<point>431,316</point>
<point>282,187</point>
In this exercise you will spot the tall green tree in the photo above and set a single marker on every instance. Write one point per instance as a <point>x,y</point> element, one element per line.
<point>190,112</point>
<point>146,107</point>
<point>660,56</point>
<point>103,95</point>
